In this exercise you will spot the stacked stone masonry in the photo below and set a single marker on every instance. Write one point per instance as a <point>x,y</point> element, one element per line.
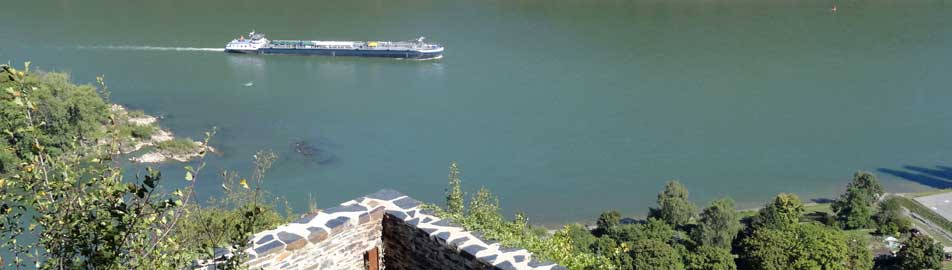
<point>404,236</point>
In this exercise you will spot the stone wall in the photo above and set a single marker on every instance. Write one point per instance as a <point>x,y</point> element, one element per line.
<point>411,248</point>
<point>405,236</point>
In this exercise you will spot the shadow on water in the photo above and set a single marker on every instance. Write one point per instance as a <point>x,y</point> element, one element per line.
<point>938,177</point>
<point>313,152</point>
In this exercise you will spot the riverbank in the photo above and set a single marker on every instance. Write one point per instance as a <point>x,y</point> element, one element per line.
<point>142,137</point>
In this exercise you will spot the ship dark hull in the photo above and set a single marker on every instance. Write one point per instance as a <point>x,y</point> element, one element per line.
<point>344,52</point>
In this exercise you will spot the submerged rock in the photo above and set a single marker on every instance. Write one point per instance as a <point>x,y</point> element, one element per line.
<point>311,152</point>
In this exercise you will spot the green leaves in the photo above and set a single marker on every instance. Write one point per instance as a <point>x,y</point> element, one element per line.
<point>718,224</point>
<point>189,171</point>
<point>920,252</point>
<point>674,206</point>
<point>854,208</point>
<point>783,212</point>
<point>454,193</point>
<point>889,219</point>
<point>653,254</point>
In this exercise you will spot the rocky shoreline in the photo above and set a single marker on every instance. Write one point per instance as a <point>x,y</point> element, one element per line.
<point>153,140</point>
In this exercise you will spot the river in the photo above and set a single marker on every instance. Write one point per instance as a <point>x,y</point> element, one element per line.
<point>562,108</point>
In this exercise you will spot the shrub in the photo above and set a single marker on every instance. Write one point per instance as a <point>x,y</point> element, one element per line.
<point>177,147</point>
<point>138,131</point>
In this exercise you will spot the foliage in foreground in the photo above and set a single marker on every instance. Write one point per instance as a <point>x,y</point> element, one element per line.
<point>228,221</point>
<point>70,196</point>
<point>482,215</point>
<point>45,109</point>
<point>64,203</point>
<point>673,237</point>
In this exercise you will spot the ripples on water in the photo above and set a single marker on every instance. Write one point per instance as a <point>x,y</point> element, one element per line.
<point>150,48</point>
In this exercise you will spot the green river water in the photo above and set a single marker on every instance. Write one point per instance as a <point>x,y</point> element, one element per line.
<point>562,108</point>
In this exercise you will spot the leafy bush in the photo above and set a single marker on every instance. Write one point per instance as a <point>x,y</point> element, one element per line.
<point>213,225</point>
<point>138,131</point>
<point>177,146</point>
<point>68,199</point>
<point>68,196</point>
<point>136,113</point>
<point>482,215</point>
<point>920,252</point>
<point>59,115</point>
<point>889,219</point>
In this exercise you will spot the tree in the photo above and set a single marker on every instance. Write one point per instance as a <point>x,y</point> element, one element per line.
<point>868,183</point>
<point>766,249</point>
<point>889,219</point>
<point>783,212</point>
<point>718,224</point>
<point>819,247</point>
<point>604,246</point>
<point>673,205</point>
<point>654,229</point>
<point>920,252</point>
<point>655,255</point>
<point>854,209</point>
<point>800,246</point>
<point>67,193</point>
<point>63,114</point>
<point>710,258</point>
<point>581,238</point>
<point>607,222</point>
<point>454,194</point>
<point>859,256</point>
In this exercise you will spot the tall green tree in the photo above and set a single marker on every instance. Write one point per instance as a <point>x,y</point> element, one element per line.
<point>854,209</point>
<point>889,219</point>
<point>920,252</point>
<point>868,183</point>
<point>782,212</point>
<point>674,206</point>
<point>800,246</point>
<point>710,258</point>
<point>454,193</point>
<point>607,222</point>
<point>655,255</point>
<point>718,224</point>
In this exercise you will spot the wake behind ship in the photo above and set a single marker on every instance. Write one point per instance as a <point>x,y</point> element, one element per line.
<point>256,43</point>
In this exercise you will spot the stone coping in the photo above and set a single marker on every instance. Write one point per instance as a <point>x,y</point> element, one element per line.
<point>315,228</point>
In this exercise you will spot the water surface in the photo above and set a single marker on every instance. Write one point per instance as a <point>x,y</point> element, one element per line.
<point>562,108</point>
